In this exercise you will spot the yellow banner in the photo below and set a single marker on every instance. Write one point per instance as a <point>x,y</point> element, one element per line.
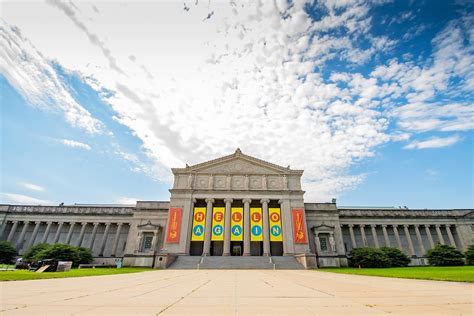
<point>236,221</point>
<point>256,224</point>
<point>199,221</point>
<point>275,224</point>
<point>218,223</point>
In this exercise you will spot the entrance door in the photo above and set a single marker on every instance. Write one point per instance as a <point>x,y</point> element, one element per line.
<point>236,248</point>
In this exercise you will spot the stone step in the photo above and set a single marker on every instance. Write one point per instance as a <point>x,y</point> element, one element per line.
<point>185,262</point>
<point>234,262</point>
<point>287,263</point>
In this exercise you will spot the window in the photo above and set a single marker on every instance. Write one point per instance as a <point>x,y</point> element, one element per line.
<point>323,242</point>
<point>147,241</point>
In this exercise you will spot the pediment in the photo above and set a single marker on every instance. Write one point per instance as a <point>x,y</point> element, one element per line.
<point>237,166</point>
<point>237,163</point>
<point>148,225</point>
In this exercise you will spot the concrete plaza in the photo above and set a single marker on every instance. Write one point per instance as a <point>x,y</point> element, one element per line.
<point>235,292</point>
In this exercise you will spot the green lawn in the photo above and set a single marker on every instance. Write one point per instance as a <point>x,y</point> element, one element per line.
<point>461,274</point>
<point>29,275</point>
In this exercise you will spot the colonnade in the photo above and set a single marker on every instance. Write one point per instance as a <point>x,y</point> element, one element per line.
<point>227,227</point>
<point>21,245</point>
<point>399,229</point>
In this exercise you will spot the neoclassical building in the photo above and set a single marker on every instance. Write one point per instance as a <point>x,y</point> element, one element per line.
<point>231,208</point>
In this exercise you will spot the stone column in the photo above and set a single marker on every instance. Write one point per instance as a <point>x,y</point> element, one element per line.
<point>440,235</point>
<point>420,240</point>
<point>266,228</point>
<point>58,232</point>
<point>94,233</point>
<point>46,232</point>
<point>362,234</point>
<point>2,230</point>
<point>227,228</point>
<point>430,238</point>
<point>458,232</point>
<point>385,236</point>
<point>104,239</point>
<point>450,236</point>
<point>207,230</point>
<point>410,243</point>
<point>116,239</point>
<point>69,234</point>
<point>22,235</point>
<point>374,234</point>
<point>397,237</point>
<point>247,227</point>
<point>81,234</point>
<point>12,231</point>
<point>353,239</point>
<point>33,235</point>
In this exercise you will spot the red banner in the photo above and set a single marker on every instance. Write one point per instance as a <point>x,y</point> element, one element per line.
<point>299,228</point>
<point>174,224</point>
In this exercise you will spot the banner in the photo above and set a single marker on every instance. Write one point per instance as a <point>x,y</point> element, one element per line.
<point>218,223</point>
<point>236,224</point>
<point>174,224</point>
<point>199,221</point>
<point>274,215</point>
<point>299,228</point>
<point>256,224</point>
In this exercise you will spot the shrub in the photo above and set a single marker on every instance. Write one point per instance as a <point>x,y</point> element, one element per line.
<point>33,250</point>
<point>7,252</point>
<point>396,257</point>
<point>444,255</point>
<point>369,258</point>
<point>84,255</point>
<point>65,253</point>
<point>470,255</point>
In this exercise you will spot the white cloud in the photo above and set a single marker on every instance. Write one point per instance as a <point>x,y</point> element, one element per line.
<point>35,78</point>
<point>435,142</point>
<point>32,186</point>
<point>22,199</point>
<point>127,200</point>
<point>192,89</point>
<point>74,144</point>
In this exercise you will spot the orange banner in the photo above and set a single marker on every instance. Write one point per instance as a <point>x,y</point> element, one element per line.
<point>299,228</point>
<point>174,224</point>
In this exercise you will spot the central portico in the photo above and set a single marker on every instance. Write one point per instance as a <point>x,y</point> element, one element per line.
<point>237,205</point>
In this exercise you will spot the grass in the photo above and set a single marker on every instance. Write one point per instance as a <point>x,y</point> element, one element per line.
<point>17,275</point>
<point>460,274</point>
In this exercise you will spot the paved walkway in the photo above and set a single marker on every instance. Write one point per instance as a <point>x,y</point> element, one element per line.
<point>235,292</point>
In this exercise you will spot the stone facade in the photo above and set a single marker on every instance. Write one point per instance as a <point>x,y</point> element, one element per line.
<point>137,234</point>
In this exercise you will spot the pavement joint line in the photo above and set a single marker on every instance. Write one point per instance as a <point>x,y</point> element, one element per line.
<point>117,289</point>
<point>183,297</point>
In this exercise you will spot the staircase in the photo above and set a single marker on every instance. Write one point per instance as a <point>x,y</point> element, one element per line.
<point>185,262</point>
<point>287,263</point>
<point>235,262</point>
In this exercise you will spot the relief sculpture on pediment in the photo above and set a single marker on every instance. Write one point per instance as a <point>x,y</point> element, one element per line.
<point>237,166</point>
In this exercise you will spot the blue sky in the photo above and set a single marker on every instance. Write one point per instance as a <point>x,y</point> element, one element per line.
<point>374,100</point>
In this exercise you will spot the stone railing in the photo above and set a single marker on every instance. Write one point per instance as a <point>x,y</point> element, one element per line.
<point>79,210</point>
<point>402,213</point>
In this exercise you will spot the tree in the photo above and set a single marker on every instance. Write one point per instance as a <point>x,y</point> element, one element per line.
<point>444,255</point>
<point>396,257</point>
<point>65,252</point>
<point>369,258</point>
<point>470,255</point>
<point>33,250</point>
<point>7,252</point>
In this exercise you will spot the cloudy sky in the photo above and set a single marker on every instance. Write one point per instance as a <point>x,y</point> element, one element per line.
<point>373,99</point>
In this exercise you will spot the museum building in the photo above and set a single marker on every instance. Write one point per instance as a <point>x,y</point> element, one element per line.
<point>236,211</point>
